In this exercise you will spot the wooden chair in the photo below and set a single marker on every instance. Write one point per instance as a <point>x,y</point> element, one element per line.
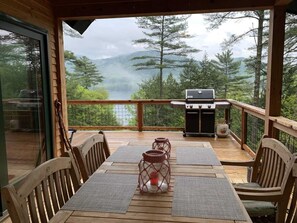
<point>271,179</point>
<point>91,154</point>
<point>292,213</point>
<point>41,193</point>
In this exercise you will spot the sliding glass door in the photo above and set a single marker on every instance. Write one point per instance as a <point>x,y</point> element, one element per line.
<point>25,129</point>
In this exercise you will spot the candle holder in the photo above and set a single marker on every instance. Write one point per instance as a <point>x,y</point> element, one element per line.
<point>154,172</point>
<point>162,144</point>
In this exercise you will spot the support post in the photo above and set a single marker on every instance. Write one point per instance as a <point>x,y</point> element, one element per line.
<point>275,66</point>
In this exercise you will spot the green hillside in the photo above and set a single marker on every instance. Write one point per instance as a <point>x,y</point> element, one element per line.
<point>120,76</point>
<point>121,79</point>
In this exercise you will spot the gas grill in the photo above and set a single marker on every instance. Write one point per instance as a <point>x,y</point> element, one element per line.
<point>200,112</point>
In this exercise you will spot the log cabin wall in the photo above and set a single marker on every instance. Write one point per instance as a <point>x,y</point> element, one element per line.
<point>40,13</point>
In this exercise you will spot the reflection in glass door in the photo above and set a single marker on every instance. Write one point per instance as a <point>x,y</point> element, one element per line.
<point>24,132</point>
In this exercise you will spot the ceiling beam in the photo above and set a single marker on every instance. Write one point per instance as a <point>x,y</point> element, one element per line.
<point>75,9</point>
<point>282,2</point>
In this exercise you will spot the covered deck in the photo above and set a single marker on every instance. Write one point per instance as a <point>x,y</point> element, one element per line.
<point>49,15</point>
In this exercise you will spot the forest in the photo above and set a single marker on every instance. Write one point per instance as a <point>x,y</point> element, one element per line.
<point>165,36</point>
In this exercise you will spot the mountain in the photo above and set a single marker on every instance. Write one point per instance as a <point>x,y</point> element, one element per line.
<point>121,78</point>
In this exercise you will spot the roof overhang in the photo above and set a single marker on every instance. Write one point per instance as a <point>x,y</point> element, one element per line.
<point>80,14</point>
<point>92,9</point>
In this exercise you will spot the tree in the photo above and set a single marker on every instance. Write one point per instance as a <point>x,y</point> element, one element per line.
<point>202,74</point>
<point>289,92</point>
<point>259,34</point>
<point>157,115</point>
<point>19,64</point>
<point>164,36</point>
<point>78,80</point>
<point>84,71</point>
<point>209,76</point>
<point>80,72</point>
<point>233,82</point>
<point>189,75</point>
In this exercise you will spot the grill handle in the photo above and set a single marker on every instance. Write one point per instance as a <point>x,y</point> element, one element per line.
<point>208,113</point>
<point>192,113</point>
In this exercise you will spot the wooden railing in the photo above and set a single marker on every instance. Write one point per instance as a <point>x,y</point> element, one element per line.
<point>281,125</point>
<point>138,110</point>
<point>251,119</point>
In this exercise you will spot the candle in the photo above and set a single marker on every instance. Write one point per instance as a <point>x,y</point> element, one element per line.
<point>154,178</point>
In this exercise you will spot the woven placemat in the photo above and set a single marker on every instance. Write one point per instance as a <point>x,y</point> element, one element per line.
<point>104,193</point>
<point>205,197</point>
<point>128,154</point>
<point>173,143</point>
<point>196,156</point>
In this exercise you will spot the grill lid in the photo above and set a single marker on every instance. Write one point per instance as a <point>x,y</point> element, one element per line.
<point>198,95</point>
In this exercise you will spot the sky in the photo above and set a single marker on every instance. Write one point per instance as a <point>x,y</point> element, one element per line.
<point>112,37</point>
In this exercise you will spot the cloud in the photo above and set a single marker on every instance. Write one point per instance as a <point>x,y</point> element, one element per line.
<point>112,37</point>
<point>106,38</point>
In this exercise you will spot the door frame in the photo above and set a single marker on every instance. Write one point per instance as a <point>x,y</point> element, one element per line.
<point>14,25</point>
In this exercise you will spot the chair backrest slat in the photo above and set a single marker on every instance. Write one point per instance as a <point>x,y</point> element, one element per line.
<point>63,185</point>
<point>262,167</point>
<point>40,204</point>
<point>32,207</point>
<point>58,189</point>
<point>273,169</point>
<point>91,154</point>
<point>47,201</point>
<point>54,198</point>
<point>69,184</point>
<point>40,194</point>
<point>275,178</point>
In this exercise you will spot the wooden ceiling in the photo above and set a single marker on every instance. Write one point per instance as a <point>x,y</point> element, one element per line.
<point>92,9</point>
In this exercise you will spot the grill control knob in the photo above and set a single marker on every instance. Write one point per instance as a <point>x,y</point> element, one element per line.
<point>191,106</point>
<point>209,106</point>
<point>200,106</point>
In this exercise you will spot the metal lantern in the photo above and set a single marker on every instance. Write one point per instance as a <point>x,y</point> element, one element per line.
<point>154,172</point>
<point>162,144</point>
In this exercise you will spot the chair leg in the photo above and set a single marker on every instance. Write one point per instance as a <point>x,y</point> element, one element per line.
<point>281,212</point>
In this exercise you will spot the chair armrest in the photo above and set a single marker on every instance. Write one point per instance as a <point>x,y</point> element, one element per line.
<point>261,196</point>
<point>238,163</point>
<point>256,190</point>
<point>60,216</point>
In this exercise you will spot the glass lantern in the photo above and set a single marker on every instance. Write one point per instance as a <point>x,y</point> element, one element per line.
<point>154,172</point>
<point>162,144</point>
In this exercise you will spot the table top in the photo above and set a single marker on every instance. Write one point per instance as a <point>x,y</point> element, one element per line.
<point>162,207</point>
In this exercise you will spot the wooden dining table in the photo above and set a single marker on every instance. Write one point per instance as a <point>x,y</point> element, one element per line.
<point>196,191</point>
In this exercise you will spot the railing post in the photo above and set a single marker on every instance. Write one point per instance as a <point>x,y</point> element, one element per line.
<point>227,116</point>
<point>243,128</point>
<point>140,116</point>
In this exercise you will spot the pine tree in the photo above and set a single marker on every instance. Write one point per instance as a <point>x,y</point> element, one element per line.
<point>84,71</point>
<point>165,37</point>
<point>202,74</point>
<point>233,82</point>
<point>189,75</point>
<point>259,34</point>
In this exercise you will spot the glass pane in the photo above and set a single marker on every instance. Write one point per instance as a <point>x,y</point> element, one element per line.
<point>21,87</point>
